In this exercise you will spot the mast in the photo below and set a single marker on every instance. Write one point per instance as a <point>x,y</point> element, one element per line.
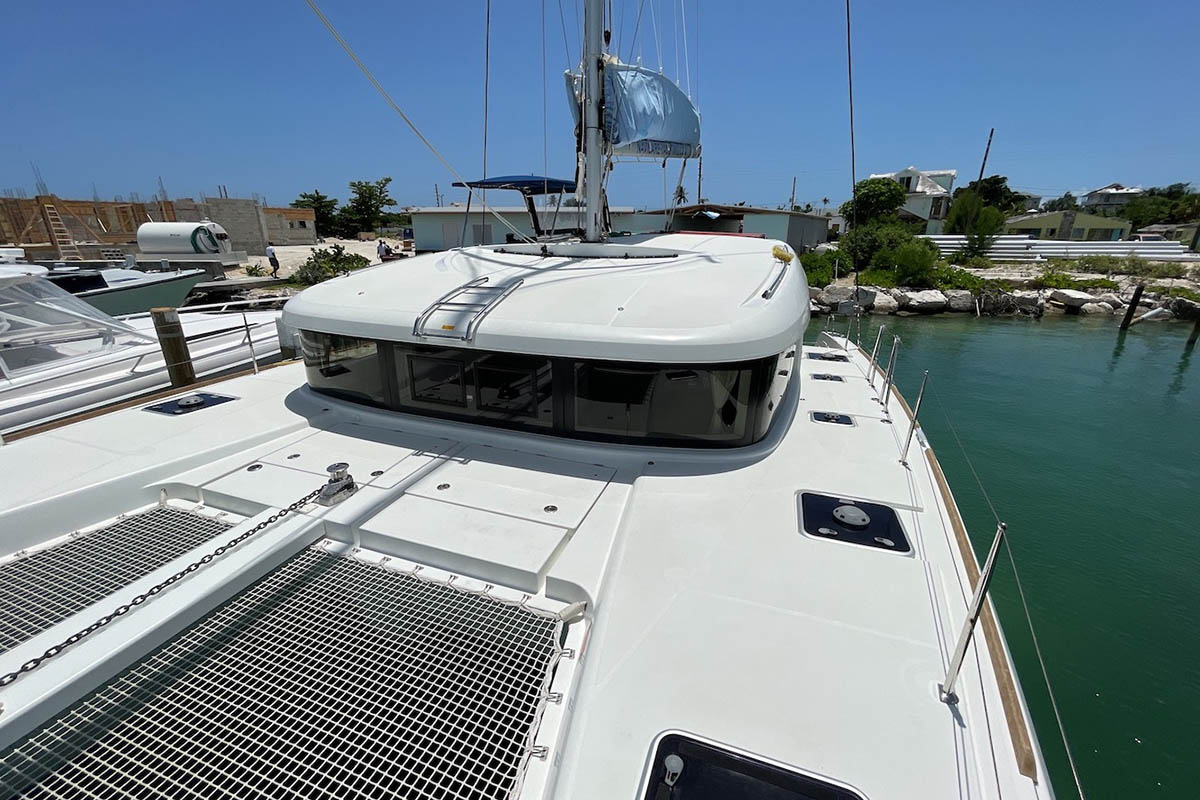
<point>593,142</point>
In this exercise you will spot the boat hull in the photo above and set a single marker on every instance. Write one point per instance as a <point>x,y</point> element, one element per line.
<point>169,292</point>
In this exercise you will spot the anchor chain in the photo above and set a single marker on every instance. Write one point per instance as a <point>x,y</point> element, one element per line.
<point>125,608</point>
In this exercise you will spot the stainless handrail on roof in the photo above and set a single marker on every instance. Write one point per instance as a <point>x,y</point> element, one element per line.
<point>493,296</point>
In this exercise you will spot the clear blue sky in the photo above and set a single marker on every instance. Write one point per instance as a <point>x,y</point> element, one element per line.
<point>255,94</point>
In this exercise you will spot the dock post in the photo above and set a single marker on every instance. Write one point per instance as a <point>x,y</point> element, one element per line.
<point>912,426</point>
<point>1191,342</point>
<point>174,346</point>
<point>973,612</point>
<point>874,352</point>
<point>1131,309</point>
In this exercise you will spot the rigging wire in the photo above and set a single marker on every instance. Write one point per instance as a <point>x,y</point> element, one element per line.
<point>412,125</point>
<point>545,123</point>
<point>657,36</point>
<point>675,39</point>
<point>1037,648</point>
<point>637,25</point>
<point>850,85</point>
<point>683,35</point>
<point>562,18</point>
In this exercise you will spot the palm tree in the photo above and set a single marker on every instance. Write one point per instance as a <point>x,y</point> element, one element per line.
<point>680,195</point>
<point>824,203</point>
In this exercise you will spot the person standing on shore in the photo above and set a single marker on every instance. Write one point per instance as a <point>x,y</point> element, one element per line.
<point>274,261</point>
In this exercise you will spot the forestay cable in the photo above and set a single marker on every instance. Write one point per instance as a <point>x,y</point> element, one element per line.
<point>1037,648</point>
<point>412,126</point>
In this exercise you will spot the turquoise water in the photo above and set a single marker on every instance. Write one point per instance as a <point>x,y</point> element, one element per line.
<point>1089,446</point>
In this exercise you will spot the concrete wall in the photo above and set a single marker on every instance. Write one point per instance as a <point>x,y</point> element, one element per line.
<point>290,225</point>
<point>242,219</point>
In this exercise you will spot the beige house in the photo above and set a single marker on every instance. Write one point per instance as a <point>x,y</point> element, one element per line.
<point>927,194</point>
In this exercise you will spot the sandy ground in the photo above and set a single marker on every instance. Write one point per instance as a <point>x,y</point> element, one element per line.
<point>292,256</point>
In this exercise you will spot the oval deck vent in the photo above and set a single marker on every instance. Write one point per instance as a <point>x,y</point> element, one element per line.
<point>852,521</point>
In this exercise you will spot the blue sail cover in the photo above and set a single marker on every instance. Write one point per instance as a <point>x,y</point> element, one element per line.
<point>645,114</point>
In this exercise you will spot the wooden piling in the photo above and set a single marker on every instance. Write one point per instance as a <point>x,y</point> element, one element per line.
<point>1195,334</point>
<point>174,346</point>
<point>1131,309</point>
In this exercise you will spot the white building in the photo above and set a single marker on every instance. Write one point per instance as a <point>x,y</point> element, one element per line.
<point>1111,197</point>
<point>928,193</point>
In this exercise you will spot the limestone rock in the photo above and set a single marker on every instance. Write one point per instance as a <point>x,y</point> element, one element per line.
<point>1072,298</point>
<point>1112,299</point>
<point>1028,299</point>
<point>926,301</point>
<point>866,296</point>
<point>884,304</point>
<point>960,300</point>
<point>833,295</point>
<point>1095,308</point>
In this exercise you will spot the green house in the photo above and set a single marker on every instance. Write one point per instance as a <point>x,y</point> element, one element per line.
<point>1076,226</point>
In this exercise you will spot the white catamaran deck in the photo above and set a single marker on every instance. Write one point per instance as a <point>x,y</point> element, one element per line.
<point>710,611</point>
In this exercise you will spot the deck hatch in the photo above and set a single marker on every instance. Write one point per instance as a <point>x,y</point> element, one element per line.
<point>45,587</point>
<point>825,376</point>
<point>330,677</point>
<point>826,356</point>
<point>853,521</point>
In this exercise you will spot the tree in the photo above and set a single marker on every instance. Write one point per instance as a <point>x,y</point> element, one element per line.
<point>1065,203</point>
<point>1162,204</point>
<point>365,209</point>
<point>993,191</point>
<point>324,209</point>
<point>980,223</point>
<point>862,242</point>
<point>874,199</point>
<point>680,195</point>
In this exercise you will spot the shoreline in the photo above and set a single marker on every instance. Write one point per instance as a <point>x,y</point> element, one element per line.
<point>841,297</point>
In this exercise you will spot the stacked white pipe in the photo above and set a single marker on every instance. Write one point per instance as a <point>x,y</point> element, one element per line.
<point>1026,248</point>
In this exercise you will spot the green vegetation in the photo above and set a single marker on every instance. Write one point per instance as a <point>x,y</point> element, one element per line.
<point>364,212</point>
<point>1174,291</point>
<point>256,271</point>
<point>975,262</point>
<point>946,277</point>
<point>993,192</point>
<point>874,199</point>
<point>1162,204</point>
<point>878,277</point>
<point>324,209</point>
<point>324,264</point>
<point>820,267</point>
<point>980,223</point>
<point>1055,278</point>
<point>862,243</point>
<point>1119,265</point>
<point>1065,203</point>
<point>911,261</point>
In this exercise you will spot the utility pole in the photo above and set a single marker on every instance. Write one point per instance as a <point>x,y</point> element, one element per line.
<point>700,181</point>
<point>437,197</point>
<point>986,150</point>
<point>792,199</point>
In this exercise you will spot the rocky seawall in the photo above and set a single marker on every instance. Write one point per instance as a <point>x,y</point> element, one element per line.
<point>842,299</point>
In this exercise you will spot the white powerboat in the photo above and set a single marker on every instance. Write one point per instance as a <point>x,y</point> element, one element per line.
<point>60,356</point>
<point>579,519</point>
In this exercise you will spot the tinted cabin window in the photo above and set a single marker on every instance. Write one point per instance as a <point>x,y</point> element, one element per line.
<point>343,366</point>
<point>709,405</point>
<point>504,388</point>
<point>669,402</point>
